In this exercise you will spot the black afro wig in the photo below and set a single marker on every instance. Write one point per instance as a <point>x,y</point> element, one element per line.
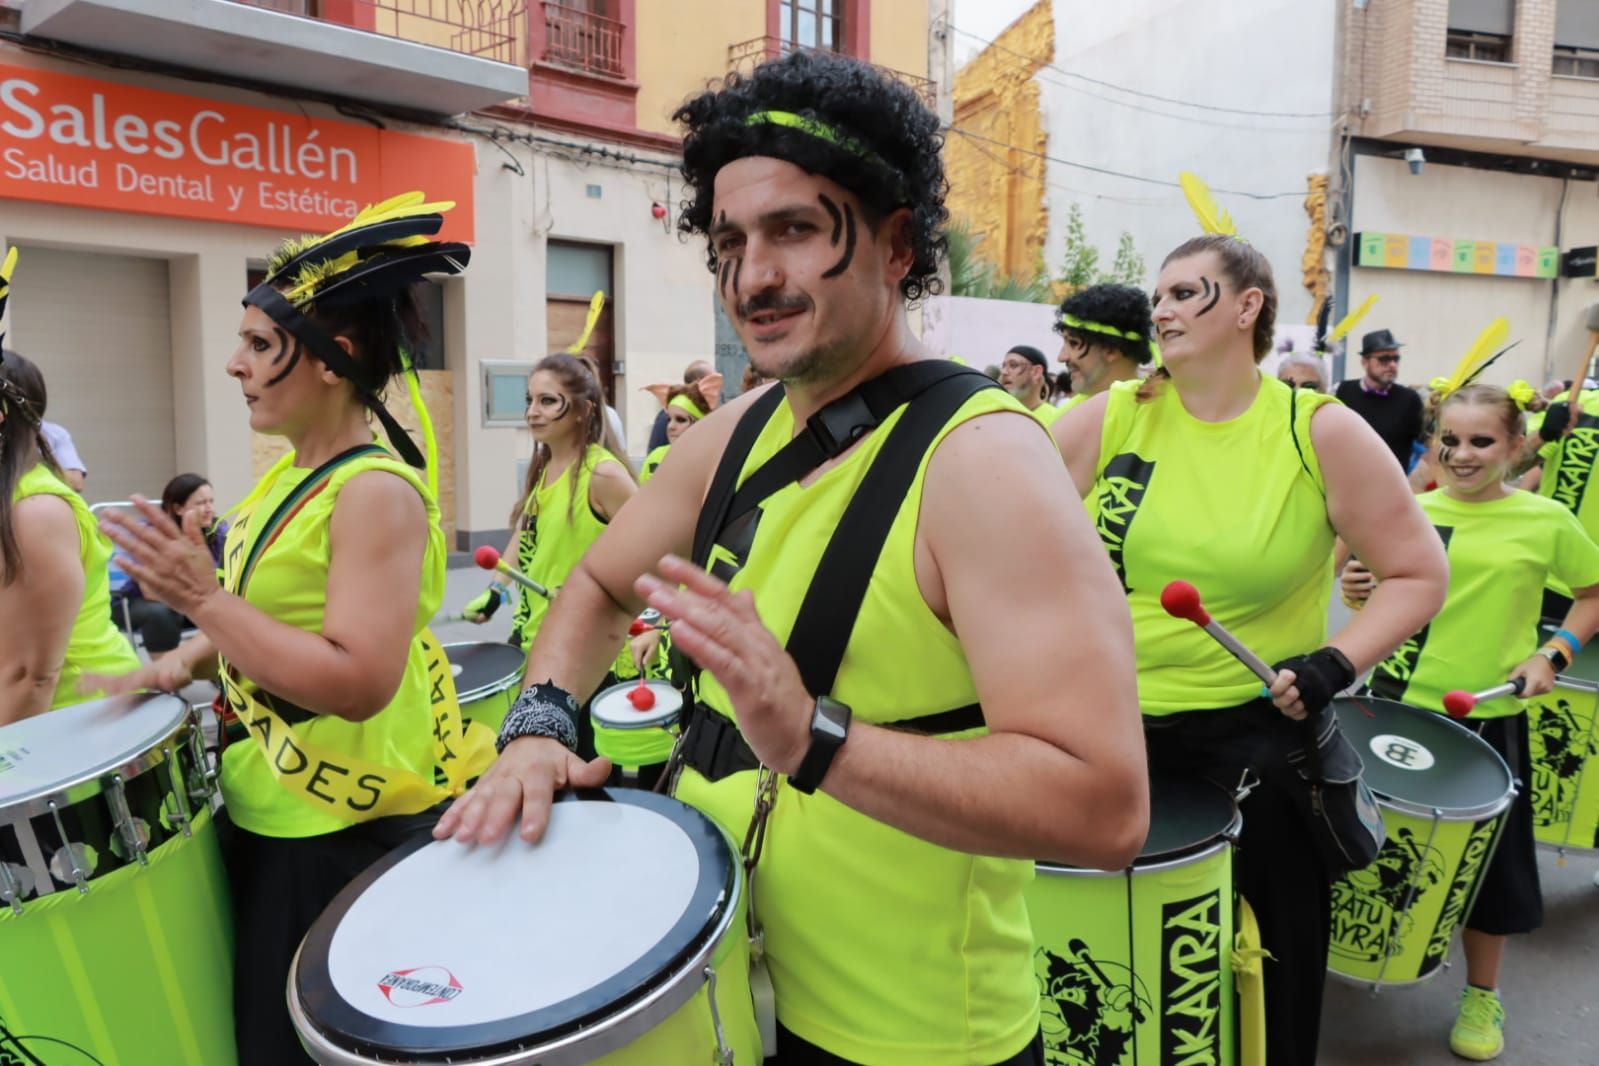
<point>891,158</point>
<point>1121,307</point>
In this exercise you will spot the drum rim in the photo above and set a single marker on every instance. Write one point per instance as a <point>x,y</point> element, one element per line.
<point>605,1015</point>
<point>1417,809</point>
<point>126,765</point>
<point>1166,860</point>
<point>491,688</point>
<point>659,723</point>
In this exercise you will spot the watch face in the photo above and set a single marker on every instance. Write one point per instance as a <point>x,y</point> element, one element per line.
<point>826,725</point>
<point>831,719</point>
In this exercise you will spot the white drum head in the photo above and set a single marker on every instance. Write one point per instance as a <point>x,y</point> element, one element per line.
<point>48,752</point>
<point>441,949</point>
<point>612,709</point>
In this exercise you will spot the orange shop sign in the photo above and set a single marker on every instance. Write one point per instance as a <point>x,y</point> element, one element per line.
<point>71,140</point>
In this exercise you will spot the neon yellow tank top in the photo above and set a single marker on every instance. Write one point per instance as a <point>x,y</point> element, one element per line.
<point>652,463</point>
<point>883,948</point>
<point>95,646</point>
<point>559,527</point>
<point>1047,413</point>
<point>289,583</point>
<point>1236,508</point>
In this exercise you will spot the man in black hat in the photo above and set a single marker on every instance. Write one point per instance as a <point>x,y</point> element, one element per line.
<point>1393,410</point>
<point>1025,375</point>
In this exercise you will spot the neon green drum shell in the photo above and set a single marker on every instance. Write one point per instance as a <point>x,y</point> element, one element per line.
<point>1578,831</point>
<point>663,1028</point>
<point>136,970</point>
<point>1097,904</point>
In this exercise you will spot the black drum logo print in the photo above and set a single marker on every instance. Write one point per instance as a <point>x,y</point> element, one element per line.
<point>1561,744</point>
<point>37,1049</point>
<point>1478,847</point>
<point>1369,904</point>
<point>1089,1008</point>
<point>1190,981</point>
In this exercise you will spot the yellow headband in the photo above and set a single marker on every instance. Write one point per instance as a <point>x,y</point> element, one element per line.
<point>1073,322</point>
<point>684,404</point>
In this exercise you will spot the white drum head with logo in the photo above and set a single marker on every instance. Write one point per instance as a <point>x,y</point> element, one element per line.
<point>614,710</point>
<point>47,752</point>
<point>441,948</point>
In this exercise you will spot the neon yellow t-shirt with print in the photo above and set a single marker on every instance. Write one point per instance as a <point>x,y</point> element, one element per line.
<point>95,645</point>
<point>1237,509</point>
<point>1501,552</point>
<point>289,583</point>
<point>1568,469</point>
<point>883,948</point>
<point>559,527</point>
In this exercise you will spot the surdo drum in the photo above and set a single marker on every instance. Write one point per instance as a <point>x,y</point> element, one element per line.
<point>115,932</point>
<point>638,742</point>
<point>1563,728</point>
<point>487,679</point>
<point>1443,792</point>
<point>1134,965</point>
<point>618,938</point>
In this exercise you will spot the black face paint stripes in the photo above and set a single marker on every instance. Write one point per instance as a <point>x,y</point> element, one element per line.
<point>832,210</point>
<point>849,246</point>
<point>738,270</point>
<point>722,270</point>
<point>1211,291</point>
<point>284,342</point>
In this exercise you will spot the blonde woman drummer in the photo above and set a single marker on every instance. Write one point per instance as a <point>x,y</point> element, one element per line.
<point>1214,473</point>
<point>55,595</point>
<point>332,568</point>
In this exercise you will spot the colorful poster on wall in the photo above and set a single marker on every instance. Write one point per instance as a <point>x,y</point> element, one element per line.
<point>1398,251</point>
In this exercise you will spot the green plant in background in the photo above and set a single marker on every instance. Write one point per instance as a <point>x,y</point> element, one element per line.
<point>1080,264</point>
<point>971,275</point>
<point>1128,269</point>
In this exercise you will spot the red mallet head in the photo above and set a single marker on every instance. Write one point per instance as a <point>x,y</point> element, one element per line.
<point>488,557</point>
<point>1181,600</point>
<point>638,628</point>
<point>642,698</point>
<point>1459,704</point>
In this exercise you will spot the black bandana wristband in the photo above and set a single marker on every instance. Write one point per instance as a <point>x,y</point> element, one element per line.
<point>543,710</point>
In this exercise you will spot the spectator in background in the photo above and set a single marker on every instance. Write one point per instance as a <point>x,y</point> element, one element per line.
<point>1024,374</point>
<point>691,374</point>
<point>1391,409</point>
<point>159,626</point>
<point>1302,371</point>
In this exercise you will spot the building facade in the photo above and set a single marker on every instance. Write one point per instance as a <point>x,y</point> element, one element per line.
<point>152,153</point>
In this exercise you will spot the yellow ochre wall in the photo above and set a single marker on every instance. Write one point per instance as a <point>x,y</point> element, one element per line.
<point>684,44</point>
<point>998,191</point>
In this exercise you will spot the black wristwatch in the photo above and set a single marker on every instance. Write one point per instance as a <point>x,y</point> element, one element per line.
<point>829,727</point>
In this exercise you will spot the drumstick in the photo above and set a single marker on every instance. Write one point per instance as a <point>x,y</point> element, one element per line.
<point>1181,600</point>
<point>447,616</point>
<point>489,559</point>
<point>1459,704</point>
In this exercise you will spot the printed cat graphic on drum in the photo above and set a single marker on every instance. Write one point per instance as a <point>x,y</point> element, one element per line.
<point>1443,793</point>
<point>115,940</point>
<point>1134,966</point>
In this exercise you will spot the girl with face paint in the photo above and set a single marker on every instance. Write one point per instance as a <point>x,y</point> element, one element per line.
<point>1213,473</point>
<point>1504,544</point>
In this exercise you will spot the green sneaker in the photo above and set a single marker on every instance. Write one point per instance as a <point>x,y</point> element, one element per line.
<point>1479,1032</point>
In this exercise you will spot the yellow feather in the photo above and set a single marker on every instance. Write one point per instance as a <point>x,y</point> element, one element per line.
<point>1489,341</point>
<point>1351,320</point>
<point>1212,219</point>
<point>596,305</point>
<point>5,271</point>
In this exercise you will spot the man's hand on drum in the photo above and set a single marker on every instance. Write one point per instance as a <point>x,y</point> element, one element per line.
<point>1538,675</point>
<point>720,630</point>
<point>170,564</point>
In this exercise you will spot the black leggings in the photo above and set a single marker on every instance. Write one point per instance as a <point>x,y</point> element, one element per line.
<point>279,887</point>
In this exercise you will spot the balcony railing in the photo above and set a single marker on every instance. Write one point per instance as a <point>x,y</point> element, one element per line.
<point>583,40</point>
<point>747,55</point>
<point>489,29</point>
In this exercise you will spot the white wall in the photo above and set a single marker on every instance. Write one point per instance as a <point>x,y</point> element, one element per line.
<point>1437,315</point>
<point>982,331</point>
<point>1253,55</point>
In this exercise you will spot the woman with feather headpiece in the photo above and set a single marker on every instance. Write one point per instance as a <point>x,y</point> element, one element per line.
<point>1504,545</point>
<point>331,569</point>
<point>55,595</point>
<point>1213,473</point>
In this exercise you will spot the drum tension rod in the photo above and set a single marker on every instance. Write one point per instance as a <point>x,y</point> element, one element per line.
<point>122,818</point>
<point>10,890</point>
<point>723,1055</point>
<point>201,770</point>
<point>80,876</point>
<point>176,803</point>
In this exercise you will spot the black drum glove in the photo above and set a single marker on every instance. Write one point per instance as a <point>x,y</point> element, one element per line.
<point>1554,421</point>
<point>1319,676</point>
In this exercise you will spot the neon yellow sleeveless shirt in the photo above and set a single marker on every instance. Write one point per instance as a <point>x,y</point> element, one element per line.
<point>290,584</point>
<point>560,526</point>
<point>883,948</point>
<point>1234,508</point>
<point>95,646</point>
<point>652,463</point>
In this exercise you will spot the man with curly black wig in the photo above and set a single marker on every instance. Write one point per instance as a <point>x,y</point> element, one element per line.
<point>886,702</point>
<point>1107,335</point>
